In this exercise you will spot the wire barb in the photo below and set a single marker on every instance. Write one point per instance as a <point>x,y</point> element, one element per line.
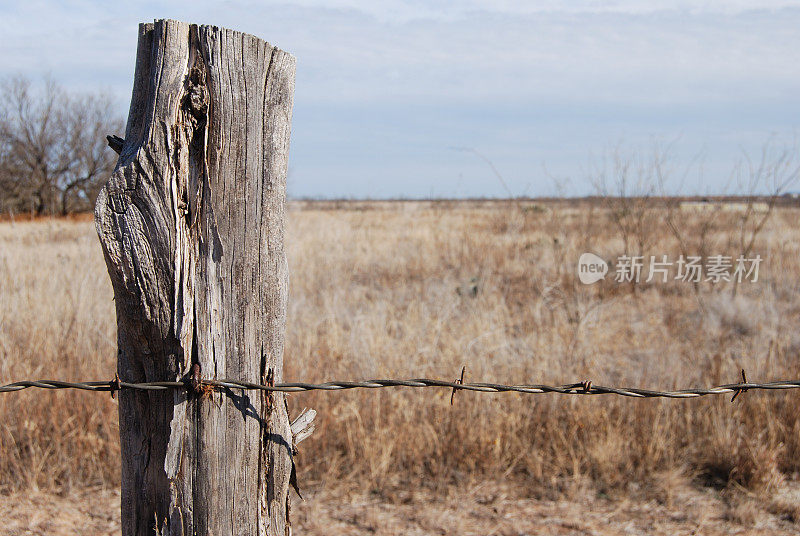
<point>460,382</point>
<point>583,388</point>
<point>740,390</point>
<point>114,385</point>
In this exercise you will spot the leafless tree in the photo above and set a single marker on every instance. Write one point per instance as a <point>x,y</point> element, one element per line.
<point>755,188</point>
<point>627,184</point>
<point>53,154</point>
<point>767,178</point>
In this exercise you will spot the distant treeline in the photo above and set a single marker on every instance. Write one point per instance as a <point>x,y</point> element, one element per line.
<point>53,153</point>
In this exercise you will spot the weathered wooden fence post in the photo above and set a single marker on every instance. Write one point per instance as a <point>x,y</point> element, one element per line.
<point>192,227</point>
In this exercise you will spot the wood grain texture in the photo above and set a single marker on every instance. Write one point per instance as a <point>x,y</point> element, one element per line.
<point>192,228</point>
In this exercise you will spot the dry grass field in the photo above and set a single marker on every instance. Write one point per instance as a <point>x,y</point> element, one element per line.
<point>419,289</point>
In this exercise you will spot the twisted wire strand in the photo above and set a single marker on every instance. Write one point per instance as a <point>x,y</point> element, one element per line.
<point>581,388</point>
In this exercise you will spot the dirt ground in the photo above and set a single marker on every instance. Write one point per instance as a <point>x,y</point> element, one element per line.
<point>479,510</point>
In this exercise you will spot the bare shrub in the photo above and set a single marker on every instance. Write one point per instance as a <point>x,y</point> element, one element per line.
<point>627,183</point>
<point>771,175</point>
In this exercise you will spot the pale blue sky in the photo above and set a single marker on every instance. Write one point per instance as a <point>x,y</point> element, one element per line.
<point>386,90</point>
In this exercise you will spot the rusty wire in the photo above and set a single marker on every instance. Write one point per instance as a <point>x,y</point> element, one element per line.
<point>580,388</point>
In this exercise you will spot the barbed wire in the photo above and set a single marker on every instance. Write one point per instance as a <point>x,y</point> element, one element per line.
<point>580,388</point>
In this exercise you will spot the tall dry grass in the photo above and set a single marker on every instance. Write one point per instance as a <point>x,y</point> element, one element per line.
<point>420,289</point>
